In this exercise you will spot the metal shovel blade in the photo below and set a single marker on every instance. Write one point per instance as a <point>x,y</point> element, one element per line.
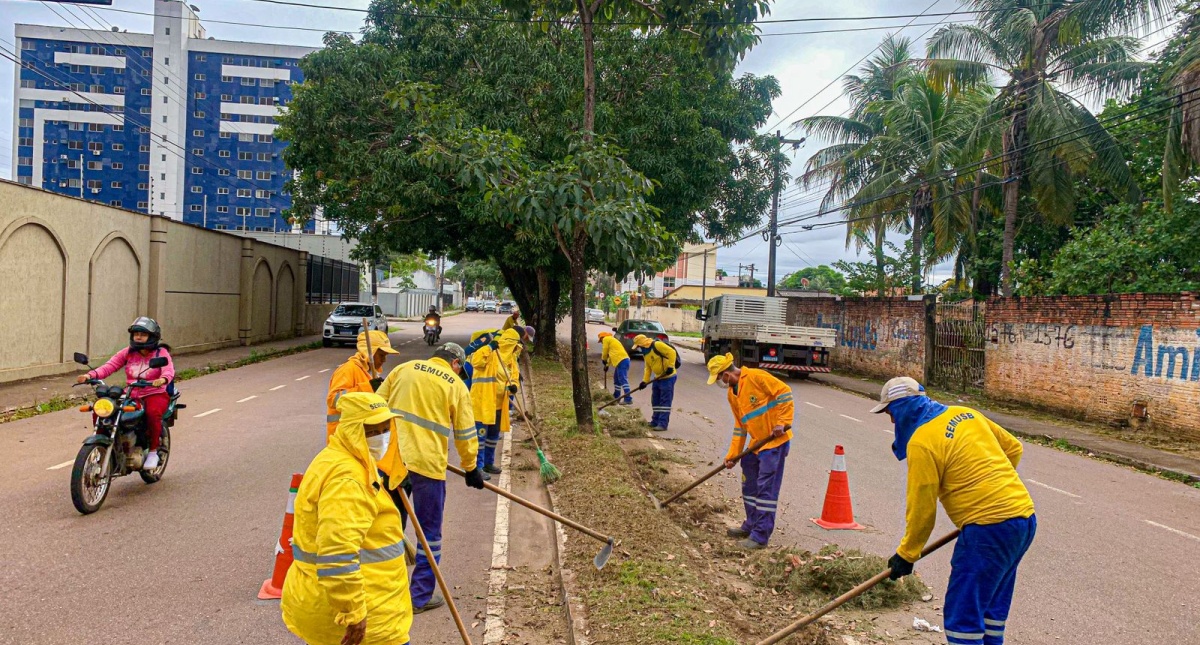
<point>602,557</point>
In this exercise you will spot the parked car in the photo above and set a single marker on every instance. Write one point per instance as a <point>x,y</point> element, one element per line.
<point>595,316</point>
<point>489,306</point>
<point>344,324</point>
<point>473,304</point>
<point>506,307</point>
<point>627,330</point>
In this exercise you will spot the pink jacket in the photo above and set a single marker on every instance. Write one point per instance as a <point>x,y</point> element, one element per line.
<point>134,363</point>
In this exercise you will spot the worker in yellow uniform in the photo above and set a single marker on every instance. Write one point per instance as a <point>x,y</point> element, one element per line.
<point>762,409</point>
<point>508,379</point>
<point>432,405</point>
<point>512,321</point>
<point>348,584</point>
<point>613,354</point>
<point>355,374</point>
<point>662,361</point>
<point>485,362</point>
<point>962,458</point>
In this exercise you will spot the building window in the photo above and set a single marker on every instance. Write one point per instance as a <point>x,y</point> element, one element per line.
<point>71,145</point>
<point>145,72</point>
<point>117,165</point>
<point>245,174</point>
<point>263,194</point>
<point>245,156</point>
<point>95,146</point>
<point>143,148</point>
<point>77,127</point>
<point>222,209</point>
<point>95,184</point>
<point>97,89</point>
<point>95,127</point>
<point>119,89</point>
<point>164,158</point>
<point>167,80</point>
<point>242,210</point>
<point>200,58</point>
<point>24,161</point>
<point>28,45</point>
<point>115,202</point>
<point>198,114</point>
<point>246,137</point>
<point>197,133</point>
<point>224,154</point>
<point>226,97</point>
<point>72,164</point>
<point>248,82</point>
<point>266,82</point>
<point>268,100</point>
<point>199,77</point>
<point>195,208</point>
<point>73,183</point>
<point>143,167</point>
<point>197,189</point>
<point>221,227</point>
<point>118,128</point>
<point>226,135</point>
<point>165,100</point>
<point>266,138</point>
<point>28,84</point>
<point>144,110</point>
<point>118,147</point>
<point>200,95</point>
<point>264,175</point>
<point>143,205</point>
<point>226,79</point>
<point>119,51</point>
<point>226,117</point>
<point>146,91</point>
<point>143,186</point>
<point>261,212</point>
<point>264,156</point>
<point>199,152</point>
<point>146,53</point>
<point>222,191</point>
<point>26,181</point>
<point>115,184</point>
<point>243,193</point>
<point>224,172</point>
<point>25,123</point>
<point>166,60</point>
<point>164,118</point>
<point>196,170</point>
<point>168,31</point>
<point>95,165</point>
<point>143,129</point>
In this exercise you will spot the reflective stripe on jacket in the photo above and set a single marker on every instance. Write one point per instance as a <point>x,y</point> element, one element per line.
<point>759,403</point>
<point>433,405</point>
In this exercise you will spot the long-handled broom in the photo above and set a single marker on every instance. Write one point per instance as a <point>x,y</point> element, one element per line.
<point>548,471</point>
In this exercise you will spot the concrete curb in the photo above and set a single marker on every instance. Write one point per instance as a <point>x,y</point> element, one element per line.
<point>577,629</point>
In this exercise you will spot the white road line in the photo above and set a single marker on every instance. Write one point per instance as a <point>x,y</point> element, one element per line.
<point>1175,531</point>
<point>324,370</point>
<point>494,630</point>
<point>851,418</point>
<point>278,387</point>
<point>204,414</point>
<point>62,465</point>
<point>304,377</point>
<point>252,396</point>
<point>814,405</point>
<point>1048,487</point>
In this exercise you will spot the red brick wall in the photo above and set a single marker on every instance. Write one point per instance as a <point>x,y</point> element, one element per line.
<point>880,337</point>
<point>1094,356</point>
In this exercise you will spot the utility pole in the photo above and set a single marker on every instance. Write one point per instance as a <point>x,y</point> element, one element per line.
<point>441,280</point>
<point>773,241</point>
<point>204,221</point>
<point>746,266</point>
<point>80,176</point>
<point>704,281</point>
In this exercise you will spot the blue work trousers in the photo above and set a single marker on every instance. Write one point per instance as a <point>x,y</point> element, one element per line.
<point>621,381</point>
<point>662,394</point>
<point>489,438</point>
<point>428,500</point>
<point>762,477</point>
<point>983,572</point>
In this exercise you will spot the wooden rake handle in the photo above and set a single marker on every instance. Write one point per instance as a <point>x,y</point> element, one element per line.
<point>712,473</point>
<point>437,572</point>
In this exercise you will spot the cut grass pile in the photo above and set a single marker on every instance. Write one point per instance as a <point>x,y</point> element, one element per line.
<point>818,577</point>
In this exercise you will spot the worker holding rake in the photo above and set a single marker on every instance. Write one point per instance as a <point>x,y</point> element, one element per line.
<point>762,413</point>
<point>962,458</point>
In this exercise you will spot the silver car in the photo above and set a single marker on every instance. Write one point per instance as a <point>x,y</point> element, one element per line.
<point>345,323</point>
<point>595,316</point>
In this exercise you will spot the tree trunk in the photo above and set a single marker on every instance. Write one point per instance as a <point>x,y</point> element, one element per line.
<point>581,388</point>
<point>1014,157</point>
<point>547,321</point>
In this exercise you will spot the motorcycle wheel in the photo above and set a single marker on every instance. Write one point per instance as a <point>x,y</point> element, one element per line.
<point>88,488</point>
<point>164,454</point>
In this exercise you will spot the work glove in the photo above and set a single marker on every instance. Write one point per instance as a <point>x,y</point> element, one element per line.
<point>900,567</point>
<point>475,480</point>
<point>512,389</point>
<point>375,383</point>
<point>668,374</point>
<point>495,345</point>
<point>641,386</point>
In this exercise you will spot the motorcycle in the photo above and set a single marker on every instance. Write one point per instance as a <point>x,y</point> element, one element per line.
<point>432,329</point>
<point>119,444</point>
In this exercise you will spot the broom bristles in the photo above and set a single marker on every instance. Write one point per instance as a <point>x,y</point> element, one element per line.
<point>548,471</point>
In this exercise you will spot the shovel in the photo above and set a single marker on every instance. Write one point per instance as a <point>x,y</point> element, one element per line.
<point>850,595</point>
<point>710,474</point>
<point>601,558</point>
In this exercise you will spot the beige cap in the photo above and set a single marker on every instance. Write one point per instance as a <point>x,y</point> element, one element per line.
<point>896,389</point>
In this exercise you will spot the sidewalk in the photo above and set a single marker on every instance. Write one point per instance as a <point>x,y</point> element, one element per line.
<point>1123,452</point>
<point>20,395</point>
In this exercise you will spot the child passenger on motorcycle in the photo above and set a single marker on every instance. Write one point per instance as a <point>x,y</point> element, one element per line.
<point>145,338</point>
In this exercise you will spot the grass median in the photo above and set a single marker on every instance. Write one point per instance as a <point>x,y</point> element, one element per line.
<point>674,577</point>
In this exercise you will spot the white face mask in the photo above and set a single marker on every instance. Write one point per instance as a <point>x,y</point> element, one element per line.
<point>723,384</point>
<point>379,444</point>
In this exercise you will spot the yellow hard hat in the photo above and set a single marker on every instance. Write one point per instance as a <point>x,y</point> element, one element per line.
<point>642,341</point>
<point>718,364</point>
<point>379,342</point>
<point>604,334</point>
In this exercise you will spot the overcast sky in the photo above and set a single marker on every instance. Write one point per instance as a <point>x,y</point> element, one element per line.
<point>803,63</point>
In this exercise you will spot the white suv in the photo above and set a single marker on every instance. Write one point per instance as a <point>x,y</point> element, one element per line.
<point>346,322</point>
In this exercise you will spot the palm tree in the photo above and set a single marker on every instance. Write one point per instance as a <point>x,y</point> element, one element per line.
<point>1035,48</point>
<point>844,164</point>
<point>1183,134</point>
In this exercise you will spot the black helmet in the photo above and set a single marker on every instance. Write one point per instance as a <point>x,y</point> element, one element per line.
<point>145,324</point>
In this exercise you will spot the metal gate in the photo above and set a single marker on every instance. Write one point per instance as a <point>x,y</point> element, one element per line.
<point>958,342</point>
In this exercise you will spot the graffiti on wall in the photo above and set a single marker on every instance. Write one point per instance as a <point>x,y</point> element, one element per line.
<point>865,334</point>
<point>1150,357</point>
<point>1164,360</point>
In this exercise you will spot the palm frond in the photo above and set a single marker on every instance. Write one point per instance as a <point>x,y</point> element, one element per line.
<point>836,128</point>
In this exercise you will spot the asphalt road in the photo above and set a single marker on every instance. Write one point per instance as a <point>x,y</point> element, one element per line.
<point>1114,561</point>
<point>181,561</point>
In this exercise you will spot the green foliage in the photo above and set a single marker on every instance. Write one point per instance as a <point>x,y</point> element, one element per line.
<point>820,278</point>
<point>1151,250</point>
<point>403,265</point>
<point>479,276</point>
<point>865,278</point>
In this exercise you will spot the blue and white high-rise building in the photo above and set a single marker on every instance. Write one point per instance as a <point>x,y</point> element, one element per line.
<point>173,123</point>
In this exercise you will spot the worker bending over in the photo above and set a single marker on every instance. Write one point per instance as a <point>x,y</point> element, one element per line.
<point>613,354</point>
<point>661,362</point>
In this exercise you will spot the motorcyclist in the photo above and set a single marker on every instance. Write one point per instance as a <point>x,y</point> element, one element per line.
<point>437,319</point>
<point>145,343</point>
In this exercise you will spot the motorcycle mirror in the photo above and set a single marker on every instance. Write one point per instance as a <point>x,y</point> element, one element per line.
<point>82,359</point>
<point>158,361</point>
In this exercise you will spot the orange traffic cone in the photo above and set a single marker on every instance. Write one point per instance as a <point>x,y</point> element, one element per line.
<point>272,588</point>
<point>838,513</point>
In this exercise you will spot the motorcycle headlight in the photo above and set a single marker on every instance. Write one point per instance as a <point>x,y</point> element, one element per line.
<point>104,408</point>
<point>430,322</point>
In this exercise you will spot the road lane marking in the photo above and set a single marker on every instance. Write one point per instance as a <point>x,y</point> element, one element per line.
<point>62,465</point>
<point>814,405</point>
<point>278,387</point>
<point>494,630</point>
<point>1048,487</point>
<point>303,377</point>
<point>323,371</point>
<point>1175,531</point>
<point>252,396</point>
<point>204,414</point>
<point>851,418</point>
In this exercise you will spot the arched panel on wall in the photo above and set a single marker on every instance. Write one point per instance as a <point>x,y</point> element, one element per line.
<point>261,306</point>
<point>114,291</point>
<point>284,320</point>
<point>34,264</point>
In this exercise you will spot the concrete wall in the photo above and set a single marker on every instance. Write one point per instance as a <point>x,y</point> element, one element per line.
<point>77,273</point>
<point>880,337</point>
<point>672,319</point>
<point>1096,357</point>
<point>408,303</point>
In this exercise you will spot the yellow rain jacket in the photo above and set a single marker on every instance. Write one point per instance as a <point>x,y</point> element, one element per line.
<point>759,403</point>
<point>484,393</point>
<point>968,462</point>
<point>510,322</point>
<point>348,547</point>
<point>507,374</point>
<point>431,404</point>
<point>353,376</point>
<point>613,352</point>
<point>659,358</point>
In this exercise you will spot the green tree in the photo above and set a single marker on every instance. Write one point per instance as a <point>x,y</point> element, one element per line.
<point>1182,79</point>
<point>823,278</point>
<point>1039,48</point>
<point>477,276</point>
<point>404,265</point>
